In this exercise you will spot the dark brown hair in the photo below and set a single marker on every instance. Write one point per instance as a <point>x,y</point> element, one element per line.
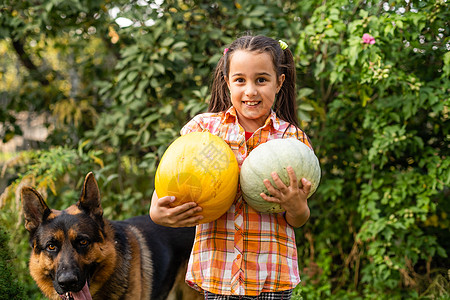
<point>285,104</point>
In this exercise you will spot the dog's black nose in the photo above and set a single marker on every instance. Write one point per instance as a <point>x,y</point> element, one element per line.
<point>68,281</point>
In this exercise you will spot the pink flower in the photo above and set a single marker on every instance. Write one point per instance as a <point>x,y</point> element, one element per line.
<point>368,39</point>
<point>225,51</point>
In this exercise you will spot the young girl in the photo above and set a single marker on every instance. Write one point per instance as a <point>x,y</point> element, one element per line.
<point>244,252</point>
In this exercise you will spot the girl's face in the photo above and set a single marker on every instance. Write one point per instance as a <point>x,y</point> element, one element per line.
<point>253,84</point>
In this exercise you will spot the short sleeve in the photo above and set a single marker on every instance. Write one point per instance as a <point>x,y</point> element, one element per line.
<point>194,125</point>
<point>295,132</point>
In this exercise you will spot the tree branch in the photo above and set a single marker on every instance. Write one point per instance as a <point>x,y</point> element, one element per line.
<point>26,61</point>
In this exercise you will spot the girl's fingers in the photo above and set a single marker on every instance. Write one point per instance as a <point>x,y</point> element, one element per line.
<point>190,222</point>
<point>165,201</point>
<point>189,212</point>
<point>179,209</point>
<point>306,186</point>
<point>186,215</point>
<point>278,182</point>
<point>189,218</point>
<point>269,198</point>
<point>164,213</point>
<point>270,188</point>
<point>186,207</point>
<point>292,176</point>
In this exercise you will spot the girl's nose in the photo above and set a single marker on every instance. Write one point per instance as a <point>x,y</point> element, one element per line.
<point>251,90</point>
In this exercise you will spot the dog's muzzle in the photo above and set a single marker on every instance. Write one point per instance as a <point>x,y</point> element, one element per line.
<point>83,294</point>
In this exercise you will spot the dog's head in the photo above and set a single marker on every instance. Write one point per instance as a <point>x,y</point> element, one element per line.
<point>66,245</point>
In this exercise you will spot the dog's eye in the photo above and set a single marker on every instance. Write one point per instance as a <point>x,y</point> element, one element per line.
<point>51,247</point>
<point>83,243</point>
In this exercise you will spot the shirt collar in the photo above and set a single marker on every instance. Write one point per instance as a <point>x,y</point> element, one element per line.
<point>271,121</point>
<point>231,115</point>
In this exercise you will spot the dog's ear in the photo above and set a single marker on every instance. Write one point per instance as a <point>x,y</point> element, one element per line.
<point>35,209</point>
<point>90,197</point>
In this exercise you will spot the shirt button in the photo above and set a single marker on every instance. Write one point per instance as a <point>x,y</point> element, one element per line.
<point>238,256</point>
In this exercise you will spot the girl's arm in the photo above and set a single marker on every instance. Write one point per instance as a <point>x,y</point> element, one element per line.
<point>184,215</point>
<point>292,198</point>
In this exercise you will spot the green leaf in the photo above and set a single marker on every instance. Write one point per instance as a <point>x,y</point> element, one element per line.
<point>159,68</point>
<point>305,92</point>
<point>166,109</point>
<point>258,11</point>
<point>167,42</point>
<point>132,76</point>
<point>446,67</point>
<point>331,33</point>
<point>153,117</point>
<point>306,107</point>
<point>130,51</point>
<point>247,22</point>
<point>179,45</point>
<point>303,116</point>
<point>363,13</point>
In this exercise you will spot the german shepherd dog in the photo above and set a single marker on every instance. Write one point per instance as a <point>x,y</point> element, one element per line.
<point>77,254</point>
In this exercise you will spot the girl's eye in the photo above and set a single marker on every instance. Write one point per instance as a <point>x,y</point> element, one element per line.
<point>51,247</point>
<point>239,80</point>
<point>261,80</point>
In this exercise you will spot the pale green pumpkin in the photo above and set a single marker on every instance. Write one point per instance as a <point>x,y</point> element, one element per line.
<point>275,156</point>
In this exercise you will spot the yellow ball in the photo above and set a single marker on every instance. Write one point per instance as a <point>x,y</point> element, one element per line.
<point>199,167</point>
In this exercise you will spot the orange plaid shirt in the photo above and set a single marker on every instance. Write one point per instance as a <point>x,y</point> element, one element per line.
<point>244,252</point>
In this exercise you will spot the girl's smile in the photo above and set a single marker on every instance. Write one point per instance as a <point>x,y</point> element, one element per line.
<point>253,85</point>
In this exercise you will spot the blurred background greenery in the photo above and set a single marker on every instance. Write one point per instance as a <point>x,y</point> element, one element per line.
<point>105,86</point>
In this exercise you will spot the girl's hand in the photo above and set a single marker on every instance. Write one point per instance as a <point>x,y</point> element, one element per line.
<point>292,198</point>
<point>184,215</point>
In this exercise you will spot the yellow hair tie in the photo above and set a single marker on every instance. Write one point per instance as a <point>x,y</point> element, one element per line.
<point>283,45</point>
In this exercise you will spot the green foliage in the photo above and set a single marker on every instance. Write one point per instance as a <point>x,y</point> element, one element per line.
<point>377,115</point>
<point>382,144</point>
<point>60,51</point>
<point>9,286</point>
